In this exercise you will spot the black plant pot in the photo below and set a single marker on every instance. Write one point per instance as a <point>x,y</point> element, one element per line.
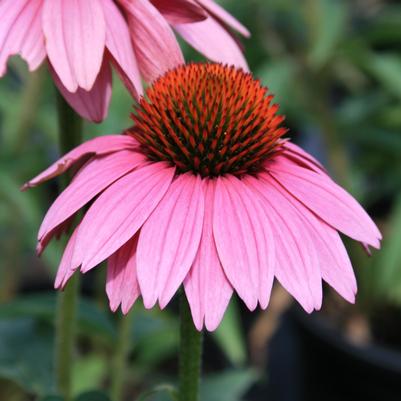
<point>311,360</point>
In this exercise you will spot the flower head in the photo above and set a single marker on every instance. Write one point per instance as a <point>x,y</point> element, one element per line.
<point>203,191</point>
<point>81,39</point>
<point>208,119</point>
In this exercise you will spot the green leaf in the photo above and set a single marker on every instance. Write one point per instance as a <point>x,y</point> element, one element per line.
<point>89,372</point>
<point>92,321</point>
<point>227,386</point>
<point>23,343</point>
<point>24,208</point>
<point>328,20</point>
<point>167,389</point>
<point>388,260</point>
<point>229,335</point>
<point>155,335</point>
<point>386,68</point>
<point>280,77</point>
<point>385,27</point>
<point>359,109</point>
<point>93,396</point>
<point>52,398</point>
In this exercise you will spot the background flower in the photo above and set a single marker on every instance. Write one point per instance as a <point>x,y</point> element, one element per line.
<point>82,39</point>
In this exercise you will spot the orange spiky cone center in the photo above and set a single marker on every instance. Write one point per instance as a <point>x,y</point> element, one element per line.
<point>210,119</point>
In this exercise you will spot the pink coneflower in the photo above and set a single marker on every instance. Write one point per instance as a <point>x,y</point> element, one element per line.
<point>203,191</point>
<point>81,39</point>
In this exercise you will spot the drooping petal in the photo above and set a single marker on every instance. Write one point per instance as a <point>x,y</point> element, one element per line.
<point>56,232</point>
<point>366,248</point>
<point>335,265</point>
<point>213,41</point>
<point>66,268</point>
<point>92,105</point>
<point>122,284</point>
<point>180,11</point>
<point>297,266</point>
<point>329,201</point>
<point>155,45</point>
<point>206,285</point>
<point>221,14</point>
<point>118,42</point>
<point>21,32</point>
<point>169,240</point>
<point>91,179</point>
<point>98,146</point>
<point>75,32</point>
<point>119,212</point>
<point>244,241</point>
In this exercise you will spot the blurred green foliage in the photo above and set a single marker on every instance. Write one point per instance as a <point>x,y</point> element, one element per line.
<point>335,68</point>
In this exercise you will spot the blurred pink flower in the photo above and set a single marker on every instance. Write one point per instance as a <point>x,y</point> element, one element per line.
<point>203,191</point>
<point>81,39</point>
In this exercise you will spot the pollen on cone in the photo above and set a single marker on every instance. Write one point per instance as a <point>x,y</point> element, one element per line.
<point>210,119</point>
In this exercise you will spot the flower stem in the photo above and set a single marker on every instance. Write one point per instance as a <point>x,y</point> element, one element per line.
<point>70,132</point>
<point>121,353</point>
<point>65,336</point>
<point>190,355</point>
<point>70,128</point>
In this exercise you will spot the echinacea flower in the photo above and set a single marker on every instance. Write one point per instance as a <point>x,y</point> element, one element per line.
<point>81,39</point>
<point>204,191</point>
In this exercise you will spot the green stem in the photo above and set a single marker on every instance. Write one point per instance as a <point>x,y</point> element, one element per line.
<point>121,353</point>
<point>65,336</point>
<point>70,132</point>
<point>70,128</point>
<point>190,355</point>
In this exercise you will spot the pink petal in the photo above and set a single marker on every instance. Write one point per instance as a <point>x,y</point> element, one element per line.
<point>290,157</point>
<point>119,212</point>
<point>92,105</point>
<point>180,11</point>
<point>213,41</point>
<point>221,14</point>
<point>56,232</point>
<point>169,240</point>
<point>91,179</point>
<point>154,42</point>
<point>118,42</point>
<point>98,146</point>
<point>296,150</point>
<point>206,286</point>
<point>328,200</point>
<point>335,264</point>
<point>366,248</point>
<point>21,32</point>
<point>244,241</point>
<point>66,268</point>
<point>122,284</point>
<point>75,32</point>
<point>297,266</point>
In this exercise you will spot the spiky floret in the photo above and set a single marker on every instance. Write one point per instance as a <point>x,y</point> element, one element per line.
<point>210,119</point>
